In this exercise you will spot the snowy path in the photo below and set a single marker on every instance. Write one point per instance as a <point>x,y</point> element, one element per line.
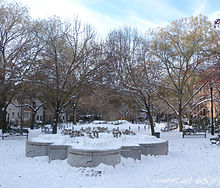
<point>191,162</point>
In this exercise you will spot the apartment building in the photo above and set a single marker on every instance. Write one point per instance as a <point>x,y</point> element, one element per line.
<point>204,101</point>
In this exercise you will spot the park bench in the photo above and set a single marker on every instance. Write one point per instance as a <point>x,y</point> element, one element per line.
<point>169,127</point>
<point>15,132</point>
<point>66,132</point>
<point>194,132</point>
<point>215,140</point>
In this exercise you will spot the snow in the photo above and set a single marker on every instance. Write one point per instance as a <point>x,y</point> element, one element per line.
<point>191,162</point>
<point>105,141</point>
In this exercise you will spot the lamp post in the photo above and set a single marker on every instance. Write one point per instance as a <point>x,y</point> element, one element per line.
<point>212,125</point>
<point>74,114</point>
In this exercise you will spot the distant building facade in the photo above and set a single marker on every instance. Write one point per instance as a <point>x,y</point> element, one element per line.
<point>18,114</point>
<point>204,108</point>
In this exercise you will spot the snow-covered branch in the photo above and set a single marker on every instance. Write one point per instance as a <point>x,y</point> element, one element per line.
<point>193,95</point>
<point>169,104</point>
<point>65,104</point>
<point>34,109</point>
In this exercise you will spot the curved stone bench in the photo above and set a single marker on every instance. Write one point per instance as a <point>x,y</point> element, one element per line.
<point>160,148</point>
<point>57,152</point>
<point>92,158</point>
<point>133,152</point>
<point>35,149</point>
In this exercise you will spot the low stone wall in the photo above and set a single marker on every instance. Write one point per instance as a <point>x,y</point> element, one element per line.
<point>35,149</point>
<point>57,152</point>
<point>133,152</point>
<point>160,148</point>
<point>92,158</point>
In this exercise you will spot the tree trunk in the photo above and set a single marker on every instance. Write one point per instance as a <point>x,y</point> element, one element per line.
<point>44,116</point>
<point>180,121</point>
<point>22,122</point>
<point>158,117</point>
<point>3,123</point>
<point>150,114</point>
<point>33,119</point>
<point>74,115</point>
<point>55,123</point>
<point>151,121</point>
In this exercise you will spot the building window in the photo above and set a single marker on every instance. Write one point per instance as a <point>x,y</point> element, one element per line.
<point>37,117</point>
<point>13,115</point>
<point>27,115</point>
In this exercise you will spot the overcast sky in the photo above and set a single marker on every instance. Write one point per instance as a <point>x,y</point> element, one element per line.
<point>106,15</point>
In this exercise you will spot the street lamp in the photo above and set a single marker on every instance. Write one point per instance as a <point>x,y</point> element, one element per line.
<point>212,125</point>
<point>74,113</point>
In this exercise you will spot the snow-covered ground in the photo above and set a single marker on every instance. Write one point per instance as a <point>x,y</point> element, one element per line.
<point>191,162</point>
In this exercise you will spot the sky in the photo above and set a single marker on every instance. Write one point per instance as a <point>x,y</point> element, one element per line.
<point>106,15</point>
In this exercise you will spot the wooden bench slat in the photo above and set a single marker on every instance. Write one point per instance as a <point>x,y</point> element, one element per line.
<point>194,132</point>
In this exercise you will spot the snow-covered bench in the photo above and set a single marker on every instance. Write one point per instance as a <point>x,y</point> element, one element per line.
<point>15,132</point>
<point>169,127</point>
<point>215,140</point>
<point>194,132</point>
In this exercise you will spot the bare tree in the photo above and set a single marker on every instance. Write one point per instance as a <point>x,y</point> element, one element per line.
<point>67,64</point>
<point>182,48</point>
<point>135,71</point>
<point>17,52</point>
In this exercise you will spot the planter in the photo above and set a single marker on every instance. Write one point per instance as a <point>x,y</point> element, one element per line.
<point>92,158</point>
<point>160,148</point>
<point>36,149</point>
<point>57,152</point>
<point>133,152</point>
